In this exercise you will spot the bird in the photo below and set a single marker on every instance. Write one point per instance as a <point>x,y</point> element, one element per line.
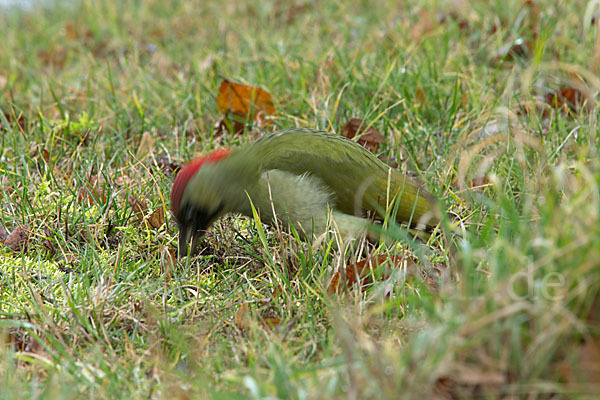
<point>300,177</point>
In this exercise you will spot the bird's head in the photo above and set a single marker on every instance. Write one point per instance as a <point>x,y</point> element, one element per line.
<point>196,200</point>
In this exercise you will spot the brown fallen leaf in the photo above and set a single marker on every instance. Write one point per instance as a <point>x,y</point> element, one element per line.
<point>14,119</point>
<point>140,209</point>
<point>427,21</point>
<point>289,14</point>
<point>46,155</point>
<point>361,271</point>
<point>168,167</point>
<point>479,183</point>
<point>157,33</point>
<point>18,240</point>
<point>67,270</point>
<point>146,145</point>
<point>157,218</point>
<point>464,100</point>
<point>168,260</point>
<point>22,341</point>
<point>271,322</point>
<point>467,381</point>
<point>460,20</point>
<point>75,33</point>
<point>139,206</point>
<point>249,102</point>
<point>229,124</point>
<point>522,47</point>
<point>565,99</point>
<point>70,32</point>
<point>3,234</point>
<point>369,138</point>
<point>46,242</point>
<point>54,57</point>
<point>533,17</point>
<point>243,319</point>
<point>419,96</point>
<point>93,191</point>
<point>585,367</point>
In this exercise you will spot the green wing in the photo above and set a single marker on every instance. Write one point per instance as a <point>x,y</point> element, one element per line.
<point>359,181</point>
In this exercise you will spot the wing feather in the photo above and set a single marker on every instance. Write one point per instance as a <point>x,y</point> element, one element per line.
<point>358,180</point>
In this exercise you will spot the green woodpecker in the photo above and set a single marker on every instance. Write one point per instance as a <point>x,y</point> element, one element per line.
<point>299,177</point>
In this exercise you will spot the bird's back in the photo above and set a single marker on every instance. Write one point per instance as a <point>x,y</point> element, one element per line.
<point>358,180</point>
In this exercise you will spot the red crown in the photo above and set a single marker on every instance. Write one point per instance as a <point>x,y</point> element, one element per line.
<point>188,171</point>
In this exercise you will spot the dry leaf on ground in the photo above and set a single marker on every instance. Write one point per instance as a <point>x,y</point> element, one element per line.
<point>76,33</point>
<point>168,260</point>
<point>146,145</point>
<point>140,209</point>
<point>426,22</point>
<point>479,183</point>
<point>168,167</point>
<point>243,319</point>
<point>13,119</point>
<point>361,271</point>
<point>139,206</point>
<point>230,125</point>
<point>157,218</point>
<point>248,102</point>
<point>419,96</point>
<point>586,368</point>
<point>93,191</point>
<point>53,57</point>
<point>22,341</point>
<point>565,99</point>
<point>369,138</point>
<point>3,234</point>
<point>18,239</point>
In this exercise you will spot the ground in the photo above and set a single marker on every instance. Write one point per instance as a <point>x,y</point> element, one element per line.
<point>492,105</point>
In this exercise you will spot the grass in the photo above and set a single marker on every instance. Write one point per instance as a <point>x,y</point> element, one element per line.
<point>95,305</point>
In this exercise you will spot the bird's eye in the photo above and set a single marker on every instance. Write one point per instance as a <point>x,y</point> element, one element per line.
<point>199,217</point>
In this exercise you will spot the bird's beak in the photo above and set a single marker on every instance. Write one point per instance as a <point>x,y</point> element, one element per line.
<point>194,222</point>
<point>187,234</point>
